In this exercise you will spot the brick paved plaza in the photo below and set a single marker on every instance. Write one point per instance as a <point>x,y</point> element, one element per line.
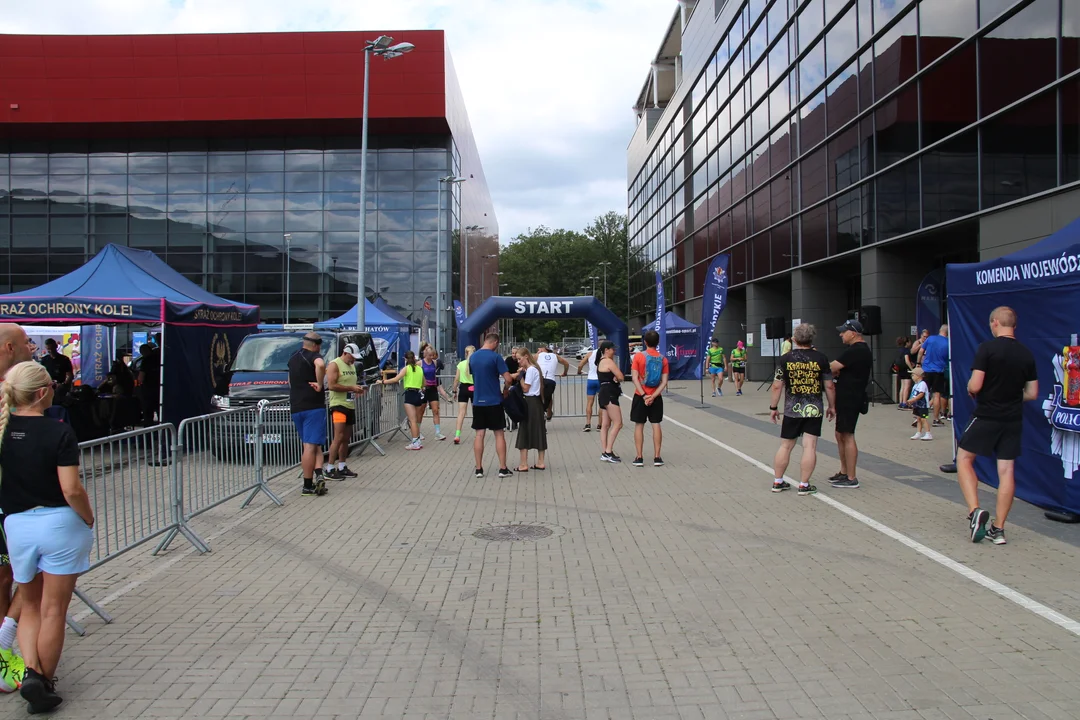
<point>689,591</point>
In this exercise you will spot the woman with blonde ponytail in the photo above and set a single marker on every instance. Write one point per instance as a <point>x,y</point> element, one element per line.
<point>47,519</point>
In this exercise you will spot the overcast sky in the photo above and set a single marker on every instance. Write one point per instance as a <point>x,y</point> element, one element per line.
<point>549,84</point>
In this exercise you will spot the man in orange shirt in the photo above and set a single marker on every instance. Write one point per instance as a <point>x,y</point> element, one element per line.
<point>649,370</point>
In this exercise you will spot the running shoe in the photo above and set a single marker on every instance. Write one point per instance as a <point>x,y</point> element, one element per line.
<point>781,486</point>
<point>977,522</point>
<point>719,393</point>
<point>714,393</point>
<point>413,445</point>
<point>916,436</point>
<point>505,473</point>
<point>457,441</point>
<point>613,458</point>
<point>808,489</point>
<point>847,483</point>
<point>40,692</point>
<point>903,406</point>
<point>837,478</point>
<point>597,426</point>
<point>738,392</point>
<point>479,474</point>
<point>345,472</point>
<point>587,428</point>
<point>658,461</point>
<point>604,456</point>
<point>638,462</point>
<point>12,670</point>
<point>996,535</point>
<point>440,436</point>
<point>308,491</point>
<point>333,474</point>
<point>927,436</point>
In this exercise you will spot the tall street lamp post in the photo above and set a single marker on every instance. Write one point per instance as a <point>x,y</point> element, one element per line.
<point>288,274</point>
<point>448,182</point>
<point>483,275</point>
<point>605,264</point>
<point>384,47</point>
<point>465,249</point>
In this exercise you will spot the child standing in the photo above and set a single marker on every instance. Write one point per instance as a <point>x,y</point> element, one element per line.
<point>920,406</point>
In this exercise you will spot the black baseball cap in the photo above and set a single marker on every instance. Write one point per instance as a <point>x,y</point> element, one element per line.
<point>852,325</point>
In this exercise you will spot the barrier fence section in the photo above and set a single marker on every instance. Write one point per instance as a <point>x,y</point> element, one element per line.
<point>569,399</point>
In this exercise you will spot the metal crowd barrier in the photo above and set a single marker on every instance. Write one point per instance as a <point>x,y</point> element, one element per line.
<point>570,397</point>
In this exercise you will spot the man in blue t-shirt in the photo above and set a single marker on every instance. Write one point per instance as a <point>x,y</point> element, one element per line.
<point>487,367</point>
<point>934,358</point>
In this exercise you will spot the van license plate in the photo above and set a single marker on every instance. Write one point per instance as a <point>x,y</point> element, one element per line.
<point>267,438</point>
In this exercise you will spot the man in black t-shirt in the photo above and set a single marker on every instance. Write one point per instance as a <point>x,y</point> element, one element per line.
<point>307,403</point>
<point>60,368</point>
<point>1003,378</point>
<point>804,375</point>
<point>852,373</point>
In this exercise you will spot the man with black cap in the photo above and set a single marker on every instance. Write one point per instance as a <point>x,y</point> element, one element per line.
<point>342,383</point>
<point>851,372</point>
<point>308,406</point>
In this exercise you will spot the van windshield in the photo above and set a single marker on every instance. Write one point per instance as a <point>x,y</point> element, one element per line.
<point>271,353</point>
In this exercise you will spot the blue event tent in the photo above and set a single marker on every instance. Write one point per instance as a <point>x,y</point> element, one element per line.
<point>682,347</point>
<point>389,331</point>
<point>1042,283</point>
<point>122,285</point>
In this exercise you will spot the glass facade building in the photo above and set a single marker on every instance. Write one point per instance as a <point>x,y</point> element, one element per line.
<point>249,198</point>
<point>799,133</point>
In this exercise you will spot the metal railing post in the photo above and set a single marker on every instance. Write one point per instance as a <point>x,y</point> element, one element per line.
<point>260,476</point>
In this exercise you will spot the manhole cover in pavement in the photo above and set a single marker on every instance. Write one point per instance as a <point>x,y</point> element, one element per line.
<point>513,533</point>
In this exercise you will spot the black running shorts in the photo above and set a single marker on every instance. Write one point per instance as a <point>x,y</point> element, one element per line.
<point>993,438</point>
<point>431,393</point>
<point>609,394</point>
<point>640,412</point>
<point>935,381</point>
<point>847,416</point>
<point>464,394</point>
<point>793,427</point>
<point>342,415</point>
<point>488,417</point>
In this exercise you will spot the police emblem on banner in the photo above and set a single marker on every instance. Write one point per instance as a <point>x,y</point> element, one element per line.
<point>1062,409</point>
<point>220,357</point>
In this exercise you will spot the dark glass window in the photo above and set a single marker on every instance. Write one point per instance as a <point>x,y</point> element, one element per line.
<point>811,21</point>
<point>813,183</point>
<point>990,9</point>
<point>1070,37</point>
<point>812,71</point>
<point>1020,151</point>
<point>898,200</point>
<point>949,96</point>
<point>942,25</point>
<point>1070,131</point>
<point>897,123</point>
<point>814,234</point>
<point>894,54</point>
<point>812,122</point>
<point>187,164</point>
<point>950,180</point>
<point>841,42</point>
<point>1031,34</point>
<point>842,99</point>
<point>845,222</point>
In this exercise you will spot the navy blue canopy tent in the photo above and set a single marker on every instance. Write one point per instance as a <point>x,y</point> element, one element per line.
<point>389,332</point>
<point>682,348</point>
<point>120,286</point>
<point>1042,283</point>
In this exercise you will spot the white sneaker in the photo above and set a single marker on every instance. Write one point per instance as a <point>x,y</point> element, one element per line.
<point>917,436</point>
<point>927,436</point>
<point>440,436</point>
<point>413,445</point>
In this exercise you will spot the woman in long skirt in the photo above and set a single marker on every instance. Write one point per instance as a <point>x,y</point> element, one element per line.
<point>532,434</point>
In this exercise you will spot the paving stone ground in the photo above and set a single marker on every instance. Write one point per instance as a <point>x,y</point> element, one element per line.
<point>688,591</point>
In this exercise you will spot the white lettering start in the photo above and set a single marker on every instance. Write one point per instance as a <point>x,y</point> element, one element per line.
<point>543,307</point>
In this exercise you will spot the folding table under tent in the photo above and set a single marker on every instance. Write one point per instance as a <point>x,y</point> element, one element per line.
<point>392,331</point>
<point>124,286</point>
<point>1042,284</point>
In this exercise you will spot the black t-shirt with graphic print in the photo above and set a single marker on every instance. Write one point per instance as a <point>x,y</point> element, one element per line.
<point>804,373</point>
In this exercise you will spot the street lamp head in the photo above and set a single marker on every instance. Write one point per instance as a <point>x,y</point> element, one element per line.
<point>474,228</point>
<point>400,49</point>
<point>451,179</point>
<point>380,43</point>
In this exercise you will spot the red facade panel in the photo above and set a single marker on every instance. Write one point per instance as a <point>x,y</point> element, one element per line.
<point>173,79</point>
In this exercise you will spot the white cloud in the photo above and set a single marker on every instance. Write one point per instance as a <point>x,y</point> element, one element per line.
<point>548,83</point>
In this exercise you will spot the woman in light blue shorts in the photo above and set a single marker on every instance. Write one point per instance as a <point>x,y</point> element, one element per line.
<point>48,522</point>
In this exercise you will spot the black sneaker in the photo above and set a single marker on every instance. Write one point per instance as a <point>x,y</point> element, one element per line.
<point>812,489</point>
<point>345,472</point>
<point>479,474</point>
<point>606,457</point>
<point>847,482</point>
<point>597,426</point>
<point>587,428</point>
<point>837,478</point>
<point>658,461</point>
<point>308,491</point>
<point>505,473</point>
<point>781,486</point>
<point>995,535</point>
<point>333,474</point>
<point>39,692</point>
<point>638,462</point>
<point>613,458</point>
<point>977,522</point>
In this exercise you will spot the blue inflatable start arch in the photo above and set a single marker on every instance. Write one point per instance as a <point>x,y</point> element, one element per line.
<point>557,308</point>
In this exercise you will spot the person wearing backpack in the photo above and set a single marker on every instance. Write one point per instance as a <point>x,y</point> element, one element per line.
<point>649,371</point>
